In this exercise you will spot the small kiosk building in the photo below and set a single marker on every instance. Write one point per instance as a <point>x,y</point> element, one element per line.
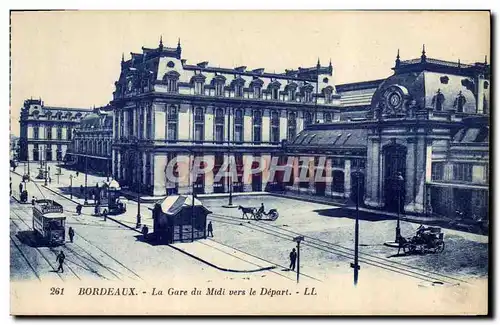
<point>177,218</point>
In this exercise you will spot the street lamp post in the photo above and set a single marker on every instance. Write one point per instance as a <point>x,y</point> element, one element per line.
<point>399,184</point>
<point>298,239</point>
<point>139,169</point>
<point>71,186</point>
<point>86,172</point>
<point>355,265</point>
<point>46,172</point>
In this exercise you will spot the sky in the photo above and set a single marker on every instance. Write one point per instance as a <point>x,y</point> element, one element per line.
<point>72,58</point>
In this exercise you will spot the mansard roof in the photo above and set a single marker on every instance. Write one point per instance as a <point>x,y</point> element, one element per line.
<point>331,138</point>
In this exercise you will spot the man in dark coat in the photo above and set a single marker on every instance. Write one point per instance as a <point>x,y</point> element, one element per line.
<point>20,187</point>
<point>293,258</point>
<point>210,229</point>
<point>60,259</point>
<point>71,234</point>
<point>79,209</point>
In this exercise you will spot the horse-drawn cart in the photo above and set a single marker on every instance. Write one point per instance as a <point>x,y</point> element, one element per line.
<point>257,214</point>
<point>426,240</point>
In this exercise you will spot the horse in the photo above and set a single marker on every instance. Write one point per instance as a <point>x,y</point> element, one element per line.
<point>246,211</point>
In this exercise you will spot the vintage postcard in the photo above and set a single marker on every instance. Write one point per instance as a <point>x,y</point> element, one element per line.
<point>250,162</point>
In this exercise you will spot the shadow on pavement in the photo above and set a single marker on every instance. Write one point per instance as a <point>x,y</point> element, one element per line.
<point>31,239</point>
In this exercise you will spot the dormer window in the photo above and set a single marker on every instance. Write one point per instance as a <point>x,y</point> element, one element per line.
<point>238,91</point>
<point>307,93</point>
<point>256,85</point>
<point>274,94</point>
<point>291,89</point>
<point>171,79</point>
<point>328,91</point>
<point>438,100</point>
<point>328,118</point>
<point>198,88</point>
<point>257,92</point>
<point>274,88</point>
<point>459,103</point>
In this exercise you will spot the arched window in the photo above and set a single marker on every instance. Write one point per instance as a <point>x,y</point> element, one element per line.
<point>275,127</point>
<point>172,120</point>
<point>307,119</point>
<point>199,124</point>
<point>238,125</point>
<point>338,181</point>
<point>292,126</point>
<point>328,118</point>
<point>219,125</point>
<point>257,126</point>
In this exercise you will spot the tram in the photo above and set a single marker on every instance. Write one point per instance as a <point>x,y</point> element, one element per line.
<point>49,222</point>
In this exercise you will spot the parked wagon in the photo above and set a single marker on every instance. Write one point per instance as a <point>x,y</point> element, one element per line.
<point>426,240</point>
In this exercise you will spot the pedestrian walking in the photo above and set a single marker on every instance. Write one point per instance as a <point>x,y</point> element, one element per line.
<point>145,231</point>
<point>60,259</point>
<point>210,229</point>
<point>97,210</point>
<point>79,209</point>
<point>293,258</point>
<point>81,189</point>
<point>71,234</point>
<point>77,173</point>
<point>33,199</point>
<point>20,187</point>
<point>50,179</point>
<point>105,214</point>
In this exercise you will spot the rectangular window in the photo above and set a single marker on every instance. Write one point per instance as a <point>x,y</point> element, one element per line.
<point>257,133</point>
<point>219,133</point>
<point>257,92</point>
<point>198,132</point>
<point>59,133</point>
<point>36,131</point>
<point>69,131</point>
<point>49,132</point>
<point>275,134</point>
<point>198,88</point>
<point>274,93</point>
<point>437,171</point>
<point>172,131</point>
<point>462,172</point>
<point>238,133</point>
<point>219,89</point>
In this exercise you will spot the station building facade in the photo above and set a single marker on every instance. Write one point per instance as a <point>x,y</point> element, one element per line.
<point>90,150</point>
<point>46,131</point>
<point>427,123</point>
<point>165,108</point>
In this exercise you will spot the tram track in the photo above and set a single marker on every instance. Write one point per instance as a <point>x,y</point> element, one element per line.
<point>50,248</point>
<point>89,268</point>
<point>25,258</point>
<point>39,252</point>
<point>339,250</point>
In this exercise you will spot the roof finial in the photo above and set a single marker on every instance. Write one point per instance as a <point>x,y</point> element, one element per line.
<point>161,42</point>
<point>459,62</point>
<point>423,57</point>
<point>330,64</point>
<point>123,57</point>
<point>179,42</point>
<point>397,60</point>
<point>318,64</point>
<point>485,59</point>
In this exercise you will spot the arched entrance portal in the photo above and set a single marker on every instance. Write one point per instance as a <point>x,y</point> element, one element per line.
<point>394,165</point>
<point>355,178</point>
